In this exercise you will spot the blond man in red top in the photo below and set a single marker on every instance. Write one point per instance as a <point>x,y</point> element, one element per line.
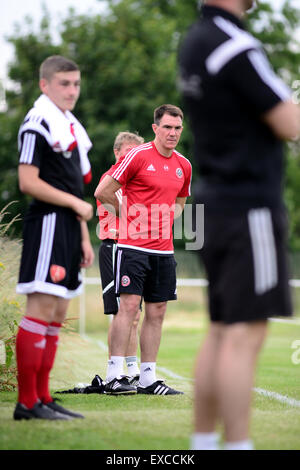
<point>108,233</point>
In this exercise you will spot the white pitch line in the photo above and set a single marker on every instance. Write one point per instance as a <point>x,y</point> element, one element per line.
<point>172,374</point>
<point>100,343</point>
<point>287,322</point>
<point>260,391</point>
<point>278,397</point>
<point>266,393</point>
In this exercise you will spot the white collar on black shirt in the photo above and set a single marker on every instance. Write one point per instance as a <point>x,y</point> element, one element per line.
<point>59,136</point>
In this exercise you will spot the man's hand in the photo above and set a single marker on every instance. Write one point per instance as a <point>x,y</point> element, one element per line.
<point>284,120</point>
<point>87,254</point>
<point>83,209</point>
<point>30,183</point>
<point>106,194</point>
<point>87,251</point>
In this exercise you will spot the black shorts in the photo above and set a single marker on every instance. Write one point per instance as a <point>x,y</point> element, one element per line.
<point>51,255</point>
<point>107,253</point>
<point>149,275</point>
<point>246,264</point>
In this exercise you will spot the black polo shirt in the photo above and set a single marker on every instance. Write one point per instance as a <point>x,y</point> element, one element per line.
<point>228,84</point>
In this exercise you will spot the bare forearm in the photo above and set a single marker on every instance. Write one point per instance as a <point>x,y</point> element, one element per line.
<point>85,236</point>
<point>111,203</point>
<point>106,194</point>
<point>46,193</point>
<point>179,206</point>
<point>30,183</point>
<point>86,247</point>
<point>284,120</point>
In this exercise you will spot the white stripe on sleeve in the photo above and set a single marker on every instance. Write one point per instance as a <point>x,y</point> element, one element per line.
<point>238,41</point>
<point>131,154</point>
<point>28,148</point>
<point>268,76</point>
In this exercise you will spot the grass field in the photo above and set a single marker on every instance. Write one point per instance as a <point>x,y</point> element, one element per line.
<point>155,422</point>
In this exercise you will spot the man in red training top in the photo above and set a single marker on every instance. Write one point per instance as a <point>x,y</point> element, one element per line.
<point>156,182</point>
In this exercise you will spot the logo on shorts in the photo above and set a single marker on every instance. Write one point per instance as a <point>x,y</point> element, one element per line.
<point>179,172</point>
<point>125,281</point>
<point>57,273</point>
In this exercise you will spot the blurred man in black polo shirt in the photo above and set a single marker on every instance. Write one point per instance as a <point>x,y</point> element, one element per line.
<point>240,113</point>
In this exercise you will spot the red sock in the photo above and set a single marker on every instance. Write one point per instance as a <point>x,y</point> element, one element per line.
<point>47,362</point>
<point>30,344</point>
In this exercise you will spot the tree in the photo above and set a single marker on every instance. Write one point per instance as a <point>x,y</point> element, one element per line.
<point>30,50</point>
<point>128,59</point>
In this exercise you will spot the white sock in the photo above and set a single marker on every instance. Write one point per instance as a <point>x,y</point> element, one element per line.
<point>132,365</point>
<point>148,373</point>
<point>204,441</point>
<point>115,367</point>
<point>239,445</point>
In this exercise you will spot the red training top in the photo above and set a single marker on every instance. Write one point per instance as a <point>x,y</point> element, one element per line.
<point>151,182</point>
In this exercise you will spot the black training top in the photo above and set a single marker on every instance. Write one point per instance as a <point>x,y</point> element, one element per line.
<point>59,169</point>
<point>227,84</point>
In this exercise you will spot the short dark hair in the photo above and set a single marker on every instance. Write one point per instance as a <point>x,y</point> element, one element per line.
<point>55,64</point>
<point>166,109</point>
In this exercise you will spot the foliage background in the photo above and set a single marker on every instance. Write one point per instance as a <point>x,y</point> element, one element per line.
<point>128,59</point>
<point>11,305</point>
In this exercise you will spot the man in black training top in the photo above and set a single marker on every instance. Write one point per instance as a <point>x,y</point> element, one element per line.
<point>240,112</point>
<point>53,167</point>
